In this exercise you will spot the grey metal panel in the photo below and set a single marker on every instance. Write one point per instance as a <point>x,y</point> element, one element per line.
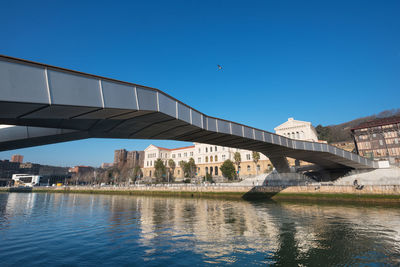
<point>268,137</point>
<point>196,118</point>
<point>204,118</point>
<point>211,126</point>
<point>223,127</point>
<point>236,129</point>
<point>183,112</point>
<point>289,142</point>
<point>248,132</point>
<point>347,155</point>
<point>331,149</point>
<point>22,83</point>
<point>38,131</point>
<point>13,133</point>
<point>147,99</point>
<point>258,135</point>
<point>72,89</point>
<point>275,139</point>
<point>317,147</point>
<point>309,146</point>
<point>166,104</point>
<point>118,95</point>
<point>300,145</point>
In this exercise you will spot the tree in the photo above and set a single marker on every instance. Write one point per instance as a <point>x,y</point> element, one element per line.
<point>159,169</point>
<point>228,169</point>
<point>137,173</point>
<point>256,158</point>
<point>190,168</point>
<point>171,165</point>
<point>238,159</point>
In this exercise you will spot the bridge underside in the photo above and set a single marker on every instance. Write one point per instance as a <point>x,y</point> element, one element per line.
<point>51,105</point>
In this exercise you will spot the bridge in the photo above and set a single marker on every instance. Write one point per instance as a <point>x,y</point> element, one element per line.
<point>48,104</point>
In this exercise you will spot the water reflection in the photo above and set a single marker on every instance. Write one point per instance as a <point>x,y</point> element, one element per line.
<point>154,230</point>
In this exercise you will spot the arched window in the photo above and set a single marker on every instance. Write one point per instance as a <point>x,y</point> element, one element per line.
<point>248,168</point>
<point>210,148</point>
<point>211,158</point>
<point>297,135</point>
<point>206,158</point>
<point>211,170</point>
<point>206,169</point>
<point>216,158</point>
<point>206,150</point>
<point>258,168</point>
<point>150,174</point>
<point>216,170</point>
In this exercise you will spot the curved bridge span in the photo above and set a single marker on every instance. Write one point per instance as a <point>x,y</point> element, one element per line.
<point>50,104</point>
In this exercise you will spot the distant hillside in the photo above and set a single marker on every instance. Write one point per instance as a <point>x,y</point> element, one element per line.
<point>341,132</point>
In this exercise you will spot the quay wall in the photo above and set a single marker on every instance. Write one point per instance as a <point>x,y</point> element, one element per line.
<point>332,192</point>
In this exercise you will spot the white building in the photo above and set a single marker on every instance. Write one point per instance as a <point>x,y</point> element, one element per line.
<point>300,130</point>
<point>208,159</point>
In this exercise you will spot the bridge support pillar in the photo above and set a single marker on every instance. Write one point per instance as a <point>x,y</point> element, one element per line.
<point>281,164</point>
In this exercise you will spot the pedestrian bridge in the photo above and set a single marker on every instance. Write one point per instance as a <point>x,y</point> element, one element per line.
<point>49,104</point>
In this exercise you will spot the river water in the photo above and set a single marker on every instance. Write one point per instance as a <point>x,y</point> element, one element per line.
<point>38,229</point>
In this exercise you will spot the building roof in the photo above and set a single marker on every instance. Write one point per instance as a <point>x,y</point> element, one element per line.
<point>173,149</point>
<point>291,123</point>
<point>378,122</point>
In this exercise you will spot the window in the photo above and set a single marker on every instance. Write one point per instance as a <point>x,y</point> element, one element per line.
<point>210,148</point>
<point>216,170</point>
<point>199,150</point>
<point>179,155</point>
<point>185,154</point>
<point>223,157</point>
<point>150,174</point>
<point>258,168</point>
<point>211,158</point>
<point>297,135</point>
<point>206,169</point>
<point>206,158</point>
<point>248,156</point>
<point>173,156</point>
<point>211,170</point>
<point>381,142</point>
<point>216,158</point>
<point>191,154</point>
<point>248,168</point>
<point>206,150</point>
<point>199,160</point>
<point>215,148</point>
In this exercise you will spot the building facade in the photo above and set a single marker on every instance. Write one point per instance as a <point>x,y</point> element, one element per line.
<point>17,158</point>
<point>378,139</point>
<point>300,130</point>
<point>130,158</point>
<point>208,159</point>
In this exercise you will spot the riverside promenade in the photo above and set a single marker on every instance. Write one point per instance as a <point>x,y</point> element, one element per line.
<point>379,193</point>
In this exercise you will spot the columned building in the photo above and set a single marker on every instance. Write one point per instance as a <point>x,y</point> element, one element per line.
<point>208,159</point>
<point>300,130</point>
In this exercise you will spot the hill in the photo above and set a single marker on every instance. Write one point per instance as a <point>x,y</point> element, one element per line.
<point>341,132</point>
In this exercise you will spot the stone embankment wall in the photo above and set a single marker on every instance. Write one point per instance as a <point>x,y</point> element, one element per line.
<point>310,189</point>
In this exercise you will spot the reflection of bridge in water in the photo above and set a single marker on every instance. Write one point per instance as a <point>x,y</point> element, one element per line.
<point>50,104</point>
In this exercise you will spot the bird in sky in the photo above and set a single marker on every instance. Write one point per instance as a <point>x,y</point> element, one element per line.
<point>219,67</point>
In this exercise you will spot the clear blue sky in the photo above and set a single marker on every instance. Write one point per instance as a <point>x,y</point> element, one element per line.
<point>319,61</point>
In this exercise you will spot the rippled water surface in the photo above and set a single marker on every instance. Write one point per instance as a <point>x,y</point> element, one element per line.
<point>92,230</point>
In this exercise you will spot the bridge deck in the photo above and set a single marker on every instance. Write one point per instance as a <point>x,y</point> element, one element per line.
<point>55,105</point>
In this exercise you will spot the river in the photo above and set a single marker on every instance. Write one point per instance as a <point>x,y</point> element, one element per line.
<point>38,229</point>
